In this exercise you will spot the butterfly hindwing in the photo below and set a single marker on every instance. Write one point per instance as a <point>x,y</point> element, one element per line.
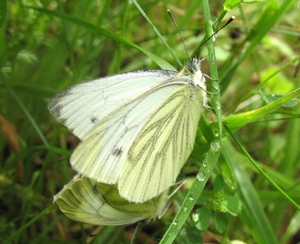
<point>162,146</point>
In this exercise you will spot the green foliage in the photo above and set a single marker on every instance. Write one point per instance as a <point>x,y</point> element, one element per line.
<point>242,182</point>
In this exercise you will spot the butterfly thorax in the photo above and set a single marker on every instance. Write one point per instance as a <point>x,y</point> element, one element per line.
<point>192,71</point>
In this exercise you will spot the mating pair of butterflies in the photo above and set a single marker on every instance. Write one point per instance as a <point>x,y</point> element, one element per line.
<point>137,130</point>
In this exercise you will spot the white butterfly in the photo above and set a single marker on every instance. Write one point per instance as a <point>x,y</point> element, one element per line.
<point>88,201</point>
<point>137,128</point>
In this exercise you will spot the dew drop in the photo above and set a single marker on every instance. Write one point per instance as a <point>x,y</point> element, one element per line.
<point>185,207</point>
<point>204,164</point>
<point>175,222</point>
<point>215,145</point>
<point>191,197</point>
<point>200,176</point>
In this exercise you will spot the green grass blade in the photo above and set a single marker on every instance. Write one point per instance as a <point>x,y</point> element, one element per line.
<point>103,32</point>
<point>193,194</point>
<point>268,19</point>
<point>27,113</point>
<point>157,33</point>
<point>263,173</point>
<point>29,223</point>
<point>252,212</point>
<point>212,156</point>
<point>237,121</point>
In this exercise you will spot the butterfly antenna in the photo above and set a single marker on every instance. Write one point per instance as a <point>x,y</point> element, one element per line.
<point>227,23</point>
<point>182,39</point>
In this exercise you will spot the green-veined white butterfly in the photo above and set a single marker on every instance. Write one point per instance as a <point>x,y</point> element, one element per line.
<point>137,128</point>
<point>88,201</point>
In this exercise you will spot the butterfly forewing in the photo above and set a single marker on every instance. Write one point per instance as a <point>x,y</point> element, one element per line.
<point>81,106</point>
<point>103,151</point>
